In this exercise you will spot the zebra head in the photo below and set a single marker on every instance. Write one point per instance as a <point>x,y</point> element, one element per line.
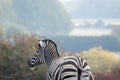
<point>40,55</point>
<point>36,59</point>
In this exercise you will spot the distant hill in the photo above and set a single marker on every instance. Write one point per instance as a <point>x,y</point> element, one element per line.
<point>34,16</point>
<point>78,44</point>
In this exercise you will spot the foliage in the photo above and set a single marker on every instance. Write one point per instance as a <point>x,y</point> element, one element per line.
<point>104,64</point>
<point>99,58</point>
<point>14,53</point>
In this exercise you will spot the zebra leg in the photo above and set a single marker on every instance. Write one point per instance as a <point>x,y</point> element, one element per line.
<point>48,78</point>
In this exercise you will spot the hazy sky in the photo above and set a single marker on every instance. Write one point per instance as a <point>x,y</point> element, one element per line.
<point>108,9</point>
<point>79,10</point>
<point>92,11</point>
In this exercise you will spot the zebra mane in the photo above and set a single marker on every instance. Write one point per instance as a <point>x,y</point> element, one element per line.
<point>48,41</point>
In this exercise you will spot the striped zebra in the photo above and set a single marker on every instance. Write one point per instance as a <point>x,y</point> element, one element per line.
<point>60,68</point>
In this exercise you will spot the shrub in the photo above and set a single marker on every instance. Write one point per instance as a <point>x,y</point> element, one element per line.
<point>104,64</point>
<point>14,53</point>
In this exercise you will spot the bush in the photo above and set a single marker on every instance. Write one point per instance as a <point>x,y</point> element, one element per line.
<point>15,50</point>
<point>100,59</point>
<point>104,64</point>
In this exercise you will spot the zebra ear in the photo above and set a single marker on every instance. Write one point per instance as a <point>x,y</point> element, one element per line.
<point>42,44</point>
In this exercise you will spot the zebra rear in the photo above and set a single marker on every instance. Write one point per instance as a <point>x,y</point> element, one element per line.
<point>68,68</point>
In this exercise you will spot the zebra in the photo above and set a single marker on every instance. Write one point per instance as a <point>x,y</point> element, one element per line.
<point>60,68</point>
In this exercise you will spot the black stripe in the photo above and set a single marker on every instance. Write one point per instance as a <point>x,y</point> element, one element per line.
<point>68,70</point>
<point>68,76</point>
<point>50,76</point>
<point>79,74</point>
<point>85,64</point>
<point>68,63</point>
<point>57,74</point>
<point>79,71</point>
<point>55,71</point>
<point>85,76</point>
<point>73,58</point>
<point>82,60</point>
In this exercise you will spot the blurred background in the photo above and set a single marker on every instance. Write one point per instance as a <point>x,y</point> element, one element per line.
<point>87,28</point>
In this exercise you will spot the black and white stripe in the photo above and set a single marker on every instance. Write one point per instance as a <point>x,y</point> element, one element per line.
<point>35,59</point>
<point>60,68</point>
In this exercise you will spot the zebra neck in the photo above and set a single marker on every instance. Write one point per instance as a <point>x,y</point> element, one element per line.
<point>50,53</point>
<point>49,58</point>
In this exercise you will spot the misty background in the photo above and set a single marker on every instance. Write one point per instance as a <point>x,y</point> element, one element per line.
<point>77,24</point>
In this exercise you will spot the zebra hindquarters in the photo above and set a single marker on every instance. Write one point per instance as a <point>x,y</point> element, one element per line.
<point>69,70</point>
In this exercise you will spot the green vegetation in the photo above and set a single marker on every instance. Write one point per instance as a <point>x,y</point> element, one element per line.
<point>100,59</point>
<point>16,48</point>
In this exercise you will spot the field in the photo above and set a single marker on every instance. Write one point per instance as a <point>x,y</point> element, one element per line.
<point>16,48</point>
